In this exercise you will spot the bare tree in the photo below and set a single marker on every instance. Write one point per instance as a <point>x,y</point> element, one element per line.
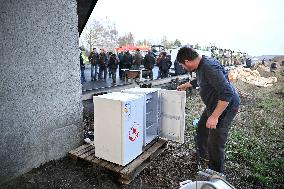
<point>127,39</point>
<point>93,33</point>
<point>111,35</point>
<point>101,34</point>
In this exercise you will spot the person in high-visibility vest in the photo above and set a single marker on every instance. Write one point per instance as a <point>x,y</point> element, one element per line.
<point>85,59</point>
<point>82,67</point>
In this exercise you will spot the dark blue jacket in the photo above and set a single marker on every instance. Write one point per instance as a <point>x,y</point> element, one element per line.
<point>214,84</point>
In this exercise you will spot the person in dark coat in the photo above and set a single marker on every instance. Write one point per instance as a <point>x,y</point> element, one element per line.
<point>102,64</point>
<point>263,62</point>
<point>121,64</point>
<point>127,59</point>
<point>149,62</point>
<point>113,65</point>
<point>248,63</point>
<point>164,64</point>
<point>108,57</point>
<point>137,60</point>
<point>94,58</point>
<point>222,102</point>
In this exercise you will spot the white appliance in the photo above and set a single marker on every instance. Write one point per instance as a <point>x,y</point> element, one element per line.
<point>126,121</point>
<point>118,126</point>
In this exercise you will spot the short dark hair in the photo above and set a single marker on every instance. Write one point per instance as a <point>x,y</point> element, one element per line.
<point>186,53</point>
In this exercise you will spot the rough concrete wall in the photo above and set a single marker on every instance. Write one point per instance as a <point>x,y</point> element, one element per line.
<point>40,94</point>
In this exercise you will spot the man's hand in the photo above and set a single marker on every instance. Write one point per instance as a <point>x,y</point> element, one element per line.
<point>212,122</point>
<point>213,119</point>
<point>184,86</point>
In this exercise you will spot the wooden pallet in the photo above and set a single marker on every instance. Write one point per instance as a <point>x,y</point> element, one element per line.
<point>126,173</point>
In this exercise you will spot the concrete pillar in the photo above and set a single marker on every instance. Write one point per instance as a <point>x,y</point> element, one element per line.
<point>40,94</point>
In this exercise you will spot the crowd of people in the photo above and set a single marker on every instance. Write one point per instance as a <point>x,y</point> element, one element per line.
<point>105,64</point>
<point>228,57</point>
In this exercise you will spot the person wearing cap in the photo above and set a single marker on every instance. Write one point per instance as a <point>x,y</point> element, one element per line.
<point>221,100</point>
<point>137,60</point>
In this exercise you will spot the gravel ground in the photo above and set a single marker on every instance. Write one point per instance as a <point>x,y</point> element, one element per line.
<point>175,164</point>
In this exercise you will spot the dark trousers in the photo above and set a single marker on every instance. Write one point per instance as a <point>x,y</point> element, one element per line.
<point>211,142</point>
<point>83,79</point>
<point>109,72</point>
<point>113,75</point>
<point>102,70</point>
<point>94,67</point>
<point>164,73</point>
<point>120,71</point>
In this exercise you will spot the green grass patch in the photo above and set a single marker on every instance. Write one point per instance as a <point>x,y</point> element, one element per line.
<point>256,138</point>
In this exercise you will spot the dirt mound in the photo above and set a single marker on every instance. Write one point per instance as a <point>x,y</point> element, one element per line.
<point>251,76</point>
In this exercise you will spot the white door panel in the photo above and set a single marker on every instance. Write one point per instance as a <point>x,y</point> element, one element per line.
<point>173,115</point>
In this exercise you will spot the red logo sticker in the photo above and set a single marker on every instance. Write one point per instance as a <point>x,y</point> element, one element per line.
<point>133,134</point>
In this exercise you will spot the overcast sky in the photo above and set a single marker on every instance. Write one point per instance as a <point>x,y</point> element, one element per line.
<point>252,26</point>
